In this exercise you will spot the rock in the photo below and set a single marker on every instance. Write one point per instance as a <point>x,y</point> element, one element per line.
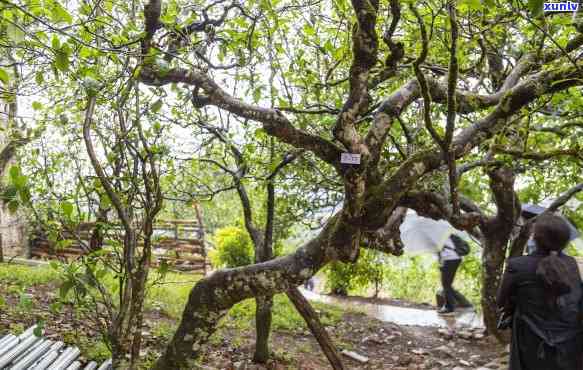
<point>442,351</point>
<point>405,360</point>
<point>447,334</point>
<point>477,360</point>
<point>373,339</point>
<point>420,352</point>
<point>465,363</point>
<point>355,356</point>
<point>466,334</point>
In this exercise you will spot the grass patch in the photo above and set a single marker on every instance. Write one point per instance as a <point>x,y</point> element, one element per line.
<point>170,294</point>
<point>285,316</point>
<point>167,296</point>
<point>26,276</point>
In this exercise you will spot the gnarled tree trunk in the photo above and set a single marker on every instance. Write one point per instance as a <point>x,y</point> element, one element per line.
<point>493,257</point>
<point>213,296</point>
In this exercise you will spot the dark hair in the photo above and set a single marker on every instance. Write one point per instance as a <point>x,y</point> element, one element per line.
<point>551,234</point>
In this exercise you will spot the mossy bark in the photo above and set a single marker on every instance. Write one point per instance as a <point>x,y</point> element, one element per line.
<point>263,316</point>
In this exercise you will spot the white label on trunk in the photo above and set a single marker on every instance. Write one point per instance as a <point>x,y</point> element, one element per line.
<point>349,158</point>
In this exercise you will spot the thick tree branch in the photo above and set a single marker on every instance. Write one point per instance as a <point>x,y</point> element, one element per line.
<point>9,151</point>
<point>311,317</point>
<point>540,156</point>
<point>387,238</point>
<point>384,197</point>
<point>397,49</point>
<point>437,206</point>
<point>364,50</point>
<point>212,296</point>
<point>451,108</point>
<point>507,202</point>
<point>523,93</point>
<point>560,130</point>
<point>565,197</point>
<point>152,12</point>
<point>467,102</point>
<point>274,122</point>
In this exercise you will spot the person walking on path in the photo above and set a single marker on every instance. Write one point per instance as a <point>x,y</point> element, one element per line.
<point>449,262</point>
<point>542,293</point>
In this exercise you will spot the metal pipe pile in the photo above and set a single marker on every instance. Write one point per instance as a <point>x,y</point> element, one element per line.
<point>27,351</point>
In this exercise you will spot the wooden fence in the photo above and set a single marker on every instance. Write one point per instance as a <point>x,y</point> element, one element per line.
<point>178,243</point>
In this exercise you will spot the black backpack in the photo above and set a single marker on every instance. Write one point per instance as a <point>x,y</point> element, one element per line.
<point>462,248</point>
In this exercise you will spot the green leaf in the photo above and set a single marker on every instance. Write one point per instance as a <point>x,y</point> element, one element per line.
<point>38,331</point>
<point>9,192</point>
<point>36,105</point>
<point>156,106</point>
<point>62,61</point>
<point>62,244</point>
<point>85,52</point>
<point>14,172</point>
<point>164,267</point>
<point>64,289</point>
<point>309,30</point>
<point>4,77</point>
<point>14,33</point>
<point>67,209</point>
<point>56,43</point>
<point>13,206</point>
<point>25,195</point>
<point>56,307</point>
<point>61,14</point>
<point>257,94</point>
<point>100,274</point>
<point>39,78</point>
<point>19,182</point>
<point>535,7</point>
<point>474,4</point>
<point>328,46</point>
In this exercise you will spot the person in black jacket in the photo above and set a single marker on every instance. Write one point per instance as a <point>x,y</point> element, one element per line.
<point>543,293</point>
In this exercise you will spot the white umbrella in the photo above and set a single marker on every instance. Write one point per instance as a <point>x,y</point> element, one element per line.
<point>424,235</point>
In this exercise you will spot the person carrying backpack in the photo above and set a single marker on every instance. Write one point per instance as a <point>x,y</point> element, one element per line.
<point>450,258</point>
<point>541,295</point>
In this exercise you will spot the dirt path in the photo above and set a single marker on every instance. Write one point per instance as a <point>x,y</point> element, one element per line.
<point>401,315</point>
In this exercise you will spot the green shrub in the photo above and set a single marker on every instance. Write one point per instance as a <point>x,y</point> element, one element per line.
<point>233,248</point>
<point>344,277</point>
<point>411,278</point>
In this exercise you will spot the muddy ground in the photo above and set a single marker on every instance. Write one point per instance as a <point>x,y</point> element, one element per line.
<point>386,345</point>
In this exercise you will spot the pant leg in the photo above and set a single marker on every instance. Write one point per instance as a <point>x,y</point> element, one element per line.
<point>461,300</point>
<point>448,271</point>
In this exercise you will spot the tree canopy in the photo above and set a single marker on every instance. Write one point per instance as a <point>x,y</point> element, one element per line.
<point>457,109</point>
